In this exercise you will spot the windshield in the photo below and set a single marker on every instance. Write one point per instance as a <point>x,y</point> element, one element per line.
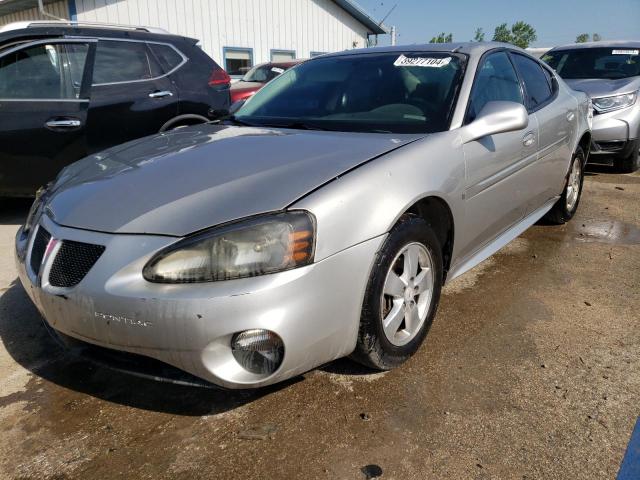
<point>263,73</point>
<point>605,63</point>
<point>382,92</point>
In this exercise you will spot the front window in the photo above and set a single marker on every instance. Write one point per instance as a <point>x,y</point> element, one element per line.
<point>605,63</point>
<point>381,92</point>
<point>44,71</point>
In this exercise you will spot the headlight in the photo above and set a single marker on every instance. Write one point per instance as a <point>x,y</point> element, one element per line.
<point>32,216</point>
<point>256,246</point>
<point>616,102</point>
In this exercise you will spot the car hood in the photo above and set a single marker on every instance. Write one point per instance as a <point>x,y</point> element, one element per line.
<point>246,86</point>
<point>194,178</point>
<point>595,87</point>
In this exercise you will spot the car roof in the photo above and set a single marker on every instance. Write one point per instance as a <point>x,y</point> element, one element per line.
<point>600,44</point>
<point>288,64</point>
<point>35,30</point>
<point>469,48</point>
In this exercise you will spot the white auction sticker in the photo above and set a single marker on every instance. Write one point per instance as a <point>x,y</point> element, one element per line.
<point>277,70</point>
<point>430,62</point>
<point>625,52</point>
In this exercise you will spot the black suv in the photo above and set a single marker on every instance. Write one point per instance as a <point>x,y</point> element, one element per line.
<point>68,90</point>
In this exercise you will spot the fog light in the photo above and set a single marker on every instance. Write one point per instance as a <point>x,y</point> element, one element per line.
<point>258,351</point>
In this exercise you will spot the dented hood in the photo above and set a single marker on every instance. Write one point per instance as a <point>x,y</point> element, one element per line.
<point>194,178</point>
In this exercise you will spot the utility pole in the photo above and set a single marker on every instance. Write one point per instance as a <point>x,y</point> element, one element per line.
<point>393,35</point>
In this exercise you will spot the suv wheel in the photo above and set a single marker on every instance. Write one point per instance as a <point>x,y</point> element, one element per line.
<point>631,162</point>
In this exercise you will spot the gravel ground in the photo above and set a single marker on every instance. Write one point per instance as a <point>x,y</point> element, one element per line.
<point>531,370</point>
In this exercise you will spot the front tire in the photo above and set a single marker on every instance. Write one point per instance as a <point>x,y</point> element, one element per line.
<point>631,162</point>
<point>402,296</point>
<point>567,205</point>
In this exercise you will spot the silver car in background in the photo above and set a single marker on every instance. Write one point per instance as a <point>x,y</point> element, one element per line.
<point>609,72</point>
<point>320,221</point>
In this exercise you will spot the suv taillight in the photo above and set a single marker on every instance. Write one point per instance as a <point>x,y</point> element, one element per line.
<point>219,77</point>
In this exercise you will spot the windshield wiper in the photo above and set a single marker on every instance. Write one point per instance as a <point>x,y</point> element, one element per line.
<point>295,126</point>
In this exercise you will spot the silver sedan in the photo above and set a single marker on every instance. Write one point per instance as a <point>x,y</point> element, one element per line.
<point>319,221</point>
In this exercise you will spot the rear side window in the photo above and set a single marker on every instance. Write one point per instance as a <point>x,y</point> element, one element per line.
<point>496,80</point>
<point>123,62</point>
<point>167,56</point>
<point>535,81</point>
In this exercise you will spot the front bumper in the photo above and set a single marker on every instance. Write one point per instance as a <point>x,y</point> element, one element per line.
<point>613,133</point>
<point>314,309</point>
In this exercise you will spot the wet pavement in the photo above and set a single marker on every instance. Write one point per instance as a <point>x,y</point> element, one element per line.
<point>531,370</point>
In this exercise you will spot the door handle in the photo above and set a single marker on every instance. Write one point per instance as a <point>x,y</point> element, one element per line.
<point>529,139</point>
<point>64,123</point>
<point>570,116</point>
<point>162,94</point>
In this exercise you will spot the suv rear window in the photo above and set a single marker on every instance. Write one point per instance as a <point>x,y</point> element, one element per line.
<point>167,56</point>
<point>118,61</point>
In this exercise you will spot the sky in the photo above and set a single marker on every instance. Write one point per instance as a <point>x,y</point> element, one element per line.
<point>556,21</point>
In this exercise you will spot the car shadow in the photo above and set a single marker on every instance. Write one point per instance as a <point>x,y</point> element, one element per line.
<point>593,169</point>
<point>29,343</point>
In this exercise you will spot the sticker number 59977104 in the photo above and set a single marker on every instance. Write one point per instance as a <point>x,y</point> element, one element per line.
<point>431,62</point>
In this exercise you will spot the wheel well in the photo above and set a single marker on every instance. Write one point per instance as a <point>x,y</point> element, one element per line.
<point>437,214</point>
<point>585,143</point>
<point>183,120</point>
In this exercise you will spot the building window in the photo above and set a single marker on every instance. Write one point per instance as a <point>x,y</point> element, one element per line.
<point>282,55</point>
<point>238,61</point>
<point>316,54</point>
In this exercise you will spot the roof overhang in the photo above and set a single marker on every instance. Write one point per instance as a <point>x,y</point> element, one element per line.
<point>12,6</point>
<point>363,17</point>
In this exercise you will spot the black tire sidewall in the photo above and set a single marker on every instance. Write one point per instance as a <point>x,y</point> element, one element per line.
<point>371,335</point>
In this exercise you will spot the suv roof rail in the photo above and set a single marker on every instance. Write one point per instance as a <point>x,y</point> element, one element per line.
<point>73,23</point>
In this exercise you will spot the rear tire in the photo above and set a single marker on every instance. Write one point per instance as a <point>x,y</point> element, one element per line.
<point>567,205</point>
<point>402,296</point>
<point>631,162</point>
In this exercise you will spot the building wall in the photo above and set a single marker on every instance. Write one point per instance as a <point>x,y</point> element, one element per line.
<point>302,25</point>
<point>59,9</point>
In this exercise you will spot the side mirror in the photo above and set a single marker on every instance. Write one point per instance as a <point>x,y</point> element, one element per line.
<point>496,117</point>
<point>235,106</point>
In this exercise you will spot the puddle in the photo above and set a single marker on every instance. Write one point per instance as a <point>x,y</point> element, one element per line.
<point>608,231</point>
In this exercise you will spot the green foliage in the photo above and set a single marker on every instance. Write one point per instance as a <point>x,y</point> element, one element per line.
<point>583,38</point>
<point>479,35</point>
<point>596,37</point>
<point>442,38</point>
<point>521,34</point>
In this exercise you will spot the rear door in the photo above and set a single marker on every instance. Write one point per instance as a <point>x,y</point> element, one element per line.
<point>556,119</point>
<point>44,95</point>
<point>131,95</point>
<point>497,189</point>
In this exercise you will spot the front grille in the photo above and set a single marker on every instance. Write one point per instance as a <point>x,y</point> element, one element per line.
<point>39,247</point>
<point>612,146</point>
<point>73,262</point>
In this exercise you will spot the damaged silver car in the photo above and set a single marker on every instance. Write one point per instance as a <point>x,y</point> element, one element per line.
<point>320,221</point>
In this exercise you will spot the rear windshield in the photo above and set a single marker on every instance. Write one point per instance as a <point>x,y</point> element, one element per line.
<point>604,63</point>
<point>382,92</point>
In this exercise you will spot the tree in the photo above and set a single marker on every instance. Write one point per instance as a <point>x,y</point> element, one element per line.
<point>596,37</point>
<point>521,34</point>
<point>479,35</point>
<point>502,34</point>
<point>442,38</point>
<point>583,38</point>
